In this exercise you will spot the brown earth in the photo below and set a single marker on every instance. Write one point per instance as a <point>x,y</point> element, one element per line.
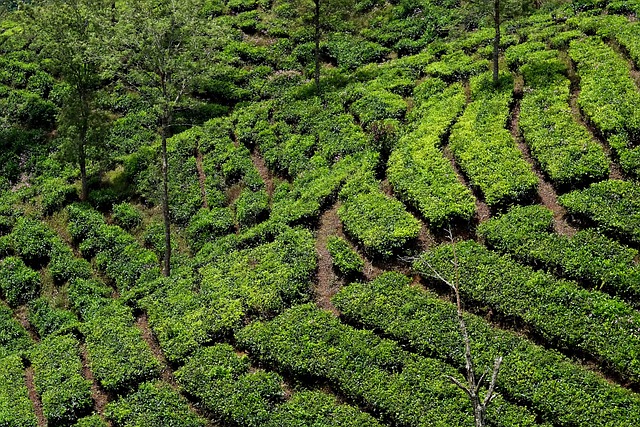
<point>35,399</point>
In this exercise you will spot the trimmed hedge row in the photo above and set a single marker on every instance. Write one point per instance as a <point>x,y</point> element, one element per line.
<point>220,379</point>
<point>413,391</point>
<point>609,98</point>
<point>16,409</point>
<point>345,259</point>
<point>236,282</point>
<point>49,320</point>
<point>563,147</point>
<point>526,233</point>
<point>565,315</point>
<point>419,173</point>
<point>117,253</point>
<point>14,338</point>
<point>562,392</point>
<point>613,205</point>
<point>32,240</point>
<point>65,394</point>
<point>456,66</point>
<point>615,27</point>
<point>379,222</point>
<point>118,355</point>
<point>19,284</point>
<point>153,404</point>
<point>486,150</point>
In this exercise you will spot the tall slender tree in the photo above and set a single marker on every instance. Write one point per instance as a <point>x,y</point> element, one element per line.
<point>163,46</point>
<point>72,35</point>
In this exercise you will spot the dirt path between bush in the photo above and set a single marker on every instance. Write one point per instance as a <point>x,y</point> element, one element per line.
<point>22,316</point>
<point>99,396</point>
<point>264,172</point>
<point>35,399</point>
<point>328,282</point>
<point>546,193</point>
<point>166,373</point>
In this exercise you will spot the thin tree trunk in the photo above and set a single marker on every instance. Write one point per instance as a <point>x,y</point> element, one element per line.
<point>166,271</point>
<point>84,192</point>
<point>496,40</point>
<point>316,23</point>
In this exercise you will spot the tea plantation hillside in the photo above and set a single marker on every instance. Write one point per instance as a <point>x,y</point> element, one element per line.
<point>239,213</point>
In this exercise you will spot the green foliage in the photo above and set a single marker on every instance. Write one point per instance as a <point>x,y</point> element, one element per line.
<point>91,421</point>
<point>379,105</point>
<point>50,320</point>
<point>64,266</point>
<point>375,371</point>
<point>486,151</point>
<point>562,146</point>
<point>563,392</point>
<point>207,225</point>
<point>14,339</point>
<point>153,404</point>
<point>251,207</point>
<point>32,240</point>
<point>118,355</point>
<point>16,409</point>
<point>417,169</point>
<point>613,205</point>
<point>379,222</point>
<point>219,378</point>
<point>56,193</point>
<point>351,52</point>
<point>345,259</point>
<point>609,97</point>
<point>585,257</point>
<point>19,284</point>
<point>456,66</point>
<point>65,394</point>
<point>126,216</point>
<point>564,315</point>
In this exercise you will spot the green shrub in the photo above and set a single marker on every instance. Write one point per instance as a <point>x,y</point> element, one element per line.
<point>219,378</point>
<point>153,404</point>
<point>19,284</point>
<point>49,320</point>
<point>345,259</point>
<point>486,151</point>
<point>586,257</point>
<point>207,225</point>
<point>251,207</point>
<point>350,52</point>
<point>456,66</point>
<point>56,193</point>
<point>126,216</point>
<point>378,105</point>
<point>613,205</point>
<point>65,394</point>
<point>118,355</point>
<point>563,314</point>
<point>64,266</point>
<point>91,421</point>
<point>379,222</point>
<point>429,325</point>
<point>16,409</point>
<point>310,343</point>
<point>32,240</point>
<point>14,339</point>
<point>563,147</point>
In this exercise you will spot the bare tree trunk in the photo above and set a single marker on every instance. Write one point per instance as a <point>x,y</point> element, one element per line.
<point>166,270</point>
<point>84,192</point>
<point>316,23</point>
<point>496,40</point>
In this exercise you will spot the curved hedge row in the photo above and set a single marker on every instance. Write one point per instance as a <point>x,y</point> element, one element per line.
<point>609,98</point>
<point>559,391</point>
<point>16,409</point>
<point>563,147</point>
<point>485,149</point>
<point>613,205</point>
<point>153,404</point>
<point>65,394</point>
<point>417,169</point>
<point>343,257</point>
<point>14,338</point>
<point>525,233</point>
<point>564,314</point>
<point>410,390</point>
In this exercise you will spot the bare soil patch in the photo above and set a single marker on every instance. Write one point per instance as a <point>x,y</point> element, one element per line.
<point>22,316</point>
<point>35,399</point>
<point>328,282</point>
<point>99,396</point>
<point>264,172</point>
